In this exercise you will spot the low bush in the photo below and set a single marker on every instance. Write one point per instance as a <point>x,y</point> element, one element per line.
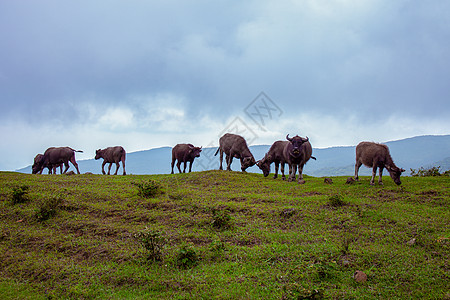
<point>336,200</point>
<point>19,194</point>
<point>433,171</point>
<point>48,208</point>
<point>148,189</point>
<point>221,219</point>
<point>153,242</point>
<point>187,257</point>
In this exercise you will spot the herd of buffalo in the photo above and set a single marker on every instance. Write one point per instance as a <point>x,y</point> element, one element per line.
<point>295,151</point>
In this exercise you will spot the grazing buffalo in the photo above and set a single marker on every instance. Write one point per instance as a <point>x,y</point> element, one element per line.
<point>185,153</point>
<point>235,146</point>
<point>112,155</point>
<point>375,156</point>
<point>276,155</point>
<point>297,152</point>
<point>38,157</point>
<point>54,157</point>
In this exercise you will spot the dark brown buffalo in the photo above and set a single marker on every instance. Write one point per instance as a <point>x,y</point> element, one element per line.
<point>234,145</point>
<point>38,157</point>
<point>297,152</point>
<point>55,156</point>
<point>112,155</point>
<point>375,156</point>
<point>185,153</point>
<point>275,155</point>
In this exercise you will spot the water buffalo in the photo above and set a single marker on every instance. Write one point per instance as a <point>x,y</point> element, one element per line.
<point>375,156</point>
<point>235,146</point>
<point>38,157</point>
<point>112,155</point>
<point>297,152</point>
<point>54,156</point>
<point>276,155</point>
<point>185,153</point>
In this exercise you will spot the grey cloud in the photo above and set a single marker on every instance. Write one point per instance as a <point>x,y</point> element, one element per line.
<point>372,60</point>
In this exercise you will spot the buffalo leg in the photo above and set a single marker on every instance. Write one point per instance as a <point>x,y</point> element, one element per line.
<point>292,171</point>
<point>74,163</point>
<point>221,159</point>
<point>357,166</point>
<point>380,181</point>
<point>109,168</point>
<point>190,166</point>
<point>117,168</point>
<point>229,159</point>
<point>123,166</point>
<point>242,164</point>
<point>103,167</point>
<point>66,164</point>
<point>277,165</point>
<point>178,166</point>
<point>282,171</point>
<point>173,163</point>
<point>184,169</point>
<point>300,174</point>
<point>374,172</point>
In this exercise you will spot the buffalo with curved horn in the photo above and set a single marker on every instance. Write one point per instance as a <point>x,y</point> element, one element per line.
<point>296,153</point>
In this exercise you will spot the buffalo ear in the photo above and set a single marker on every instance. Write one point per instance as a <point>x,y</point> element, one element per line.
<point>402,170</point>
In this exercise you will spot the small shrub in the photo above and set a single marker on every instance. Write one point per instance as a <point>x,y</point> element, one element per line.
<point>148,189</point>
<point>336,200</point>
<point>47,208</point>
<point>19,194</point>
<point>221,219</point>
<point>422,172</point>
<point>187,257</point>
<point>153,242</point>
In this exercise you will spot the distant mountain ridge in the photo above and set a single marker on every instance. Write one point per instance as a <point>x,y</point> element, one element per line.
<point>415,152</point>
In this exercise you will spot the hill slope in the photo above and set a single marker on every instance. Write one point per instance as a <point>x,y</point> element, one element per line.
<point>408,153</point>
<point>219,234</point>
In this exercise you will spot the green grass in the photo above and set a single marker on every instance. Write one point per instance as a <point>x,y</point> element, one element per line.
<point>252,237</point>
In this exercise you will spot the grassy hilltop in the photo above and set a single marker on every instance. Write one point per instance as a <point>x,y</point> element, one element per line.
<point>222,235</point>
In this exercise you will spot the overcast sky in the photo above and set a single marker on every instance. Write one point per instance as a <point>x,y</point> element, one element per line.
<point>146,74</point>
